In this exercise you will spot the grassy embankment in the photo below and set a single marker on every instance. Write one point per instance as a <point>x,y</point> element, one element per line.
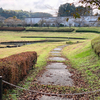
<point>85,60</point>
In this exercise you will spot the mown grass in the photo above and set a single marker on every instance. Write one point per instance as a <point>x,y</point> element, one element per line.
<point>16,36</point>
<point>6,36</point>
<point>50,37</point>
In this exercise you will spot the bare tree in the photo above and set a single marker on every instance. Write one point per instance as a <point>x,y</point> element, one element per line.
<point>41,22</point>
<point>2,21</point>
<point>58,21</point>
<point>23,23</point>
<point>9,21</point>
<point>12,21</point>
<point>98,23</point>
<point>94,4</point>
<point>80,21</point>
<point>31,23</point>
<point>48,23</point>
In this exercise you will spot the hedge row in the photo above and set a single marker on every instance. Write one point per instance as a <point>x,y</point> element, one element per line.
<point>96,45</point>
<point>51,30</point>
<point>35,30</point>
<point>93,31</point>
<point>12,29</point>
<point>15,67</point>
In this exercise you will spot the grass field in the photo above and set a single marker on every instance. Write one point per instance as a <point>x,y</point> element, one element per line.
<point>52,37</point>
<point>80,54</point>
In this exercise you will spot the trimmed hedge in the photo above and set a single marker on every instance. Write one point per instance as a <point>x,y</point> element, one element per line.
<point>12,29</point>
<point>15,67</point>
<point>96,45</point>
<point>51,30</point>
<point>88,30</point>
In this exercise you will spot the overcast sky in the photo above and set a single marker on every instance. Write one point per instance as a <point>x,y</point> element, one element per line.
<point>50,6</point>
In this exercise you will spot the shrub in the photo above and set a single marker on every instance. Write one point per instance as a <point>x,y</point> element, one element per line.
<point>36,25</point>
<point>69,42</point>
<point>88,30</point>
<point>51,30</point>
<point>61,25</point>
<point>96,45</point>
<point>15,67</point>
<point>12,29</point>
<point>19,25</point>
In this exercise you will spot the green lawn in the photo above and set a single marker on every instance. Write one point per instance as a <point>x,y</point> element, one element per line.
<point>53,38</point>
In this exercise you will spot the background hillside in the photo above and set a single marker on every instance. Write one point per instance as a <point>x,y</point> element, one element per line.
<point>20,14</point>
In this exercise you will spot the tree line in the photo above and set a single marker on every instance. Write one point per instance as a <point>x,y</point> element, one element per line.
<point>20,14</point>
<point>70,10</point>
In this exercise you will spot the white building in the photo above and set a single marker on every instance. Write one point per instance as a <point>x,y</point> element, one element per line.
<point>83,21</point>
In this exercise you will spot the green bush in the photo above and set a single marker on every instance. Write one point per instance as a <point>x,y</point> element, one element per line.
<point>61,25</point>
<point>69,42</point>
<point>51,30</point>
<point>96,45</point>
<point>36,25</point>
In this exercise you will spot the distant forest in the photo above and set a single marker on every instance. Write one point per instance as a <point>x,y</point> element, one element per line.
<point>20,14</point>
<point>70,10</point>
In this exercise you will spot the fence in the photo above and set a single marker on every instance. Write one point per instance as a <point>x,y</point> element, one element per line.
<point>0,87</point>
<point>51,94</point>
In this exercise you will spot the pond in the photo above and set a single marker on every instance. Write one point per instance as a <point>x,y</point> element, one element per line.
<point>12,44</point>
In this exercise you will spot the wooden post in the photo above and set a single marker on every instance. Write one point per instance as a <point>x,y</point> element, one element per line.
<point>0,87</point>
<point>68,38</point>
